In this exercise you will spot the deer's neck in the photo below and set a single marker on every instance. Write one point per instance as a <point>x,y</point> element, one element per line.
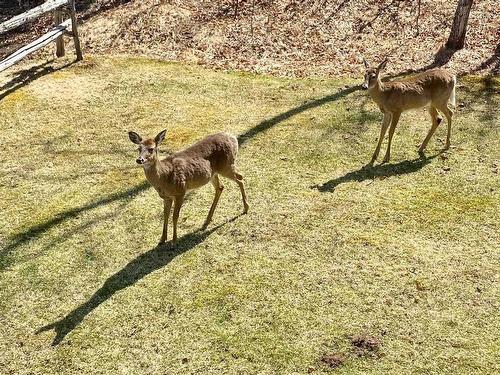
<point>158,171</point>
<point>377,92</point>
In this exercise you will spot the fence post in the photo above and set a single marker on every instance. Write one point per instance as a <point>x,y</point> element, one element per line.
<point>74,29</point>
<point>58,18</point>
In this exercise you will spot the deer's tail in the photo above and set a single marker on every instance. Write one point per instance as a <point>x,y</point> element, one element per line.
<point>453,95</point>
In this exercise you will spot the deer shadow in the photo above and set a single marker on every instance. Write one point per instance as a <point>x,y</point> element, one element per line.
<point>382,170</point>
<point>135,270</point>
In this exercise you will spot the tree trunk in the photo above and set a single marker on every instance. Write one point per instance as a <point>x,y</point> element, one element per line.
<point>459,27</point>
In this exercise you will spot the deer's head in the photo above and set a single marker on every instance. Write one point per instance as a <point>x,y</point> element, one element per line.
<point>372,74</point>
<point>148,148</point>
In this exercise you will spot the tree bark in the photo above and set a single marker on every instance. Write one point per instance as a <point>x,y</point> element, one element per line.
<point>456,39</point>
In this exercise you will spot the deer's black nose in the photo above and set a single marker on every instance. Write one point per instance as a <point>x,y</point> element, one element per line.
<point>140,161</point>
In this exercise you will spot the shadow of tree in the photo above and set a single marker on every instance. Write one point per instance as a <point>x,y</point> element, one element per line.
<point>267,124</point>
<point>36,230</point>
<point>441,58</point>
<point>363,116</point>
<point>134,271</point>
<point>26,76</point>
<point>382,170</point>
<point>90,8</point>
<point>486,96</point>
<point>492,63</point>
<point>85,173</point>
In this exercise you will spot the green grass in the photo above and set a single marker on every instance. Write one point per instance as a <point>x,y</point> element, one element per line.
<point>406,252</point>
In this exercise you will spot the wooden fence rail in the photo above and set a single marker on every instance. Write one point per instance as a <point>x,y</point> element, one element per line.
<point>30,15</point>
<point>56,33</point>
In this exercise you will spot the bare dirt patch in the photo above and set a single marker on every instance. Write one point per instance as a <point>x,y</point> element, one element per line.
<point>333,360</point>
<point>365,345</point>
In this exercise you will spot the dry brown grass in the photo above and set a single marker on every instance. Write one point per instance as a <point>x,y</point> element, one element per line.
<point>296,38</point>
<point>289,38</point>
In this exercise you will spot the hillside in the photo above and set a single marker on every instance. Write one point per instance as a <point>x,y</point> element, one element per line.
<point>287,37</point>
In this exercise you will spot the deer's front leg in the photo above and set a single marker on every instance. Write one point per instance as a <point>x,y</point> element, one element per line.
<point>383,129</point>
<point>167,205</point>
<point>394,122</point>
<point>177,209</point>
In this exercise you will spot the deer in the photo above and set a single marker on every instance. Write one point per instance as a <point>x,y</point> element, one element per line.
<point>188,169</point>
<point>435,87</point>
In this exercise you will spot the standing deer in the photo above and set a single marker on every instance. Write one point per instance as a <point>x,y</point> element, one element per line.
<point>435,86</point>
<point>189,169</point>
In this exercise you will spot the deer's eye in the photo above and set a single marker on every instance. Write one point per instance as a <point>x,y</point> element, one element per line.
<point>150,150</point>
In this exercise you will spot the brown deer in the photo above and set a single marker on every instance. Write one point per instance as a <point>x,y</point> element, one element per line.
<point>189,169</point>
<point>435,87</point>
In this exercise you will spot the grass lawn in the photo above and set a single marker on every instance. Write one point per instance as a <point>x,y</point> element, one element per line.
<point>404,255</point>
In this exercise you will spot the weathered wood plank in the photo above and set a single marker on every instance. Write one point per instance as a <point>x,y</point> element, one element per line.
<point>45,39</point>
<point>58,19</point>
<point>30,15</point>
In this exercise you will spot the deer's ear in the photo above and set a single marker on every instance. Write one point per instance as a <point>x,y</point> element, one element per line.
<point>160,137</point>
<point>134,137</point>
<point>382,65</point>
<point>366,63</point>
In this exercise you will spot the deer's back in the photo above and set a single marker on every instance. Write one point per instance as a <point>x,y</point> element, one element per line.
<point>431,86</point>
<point>194,166</point>
<point>215,148</point>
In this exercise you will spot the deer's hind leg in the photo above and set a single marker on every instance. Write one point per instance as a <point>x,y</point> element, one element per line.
<point>449,114</point>
<point>218,186</point>
<point>178,200</point>
<point>231,173</point>
<point>436,120</point>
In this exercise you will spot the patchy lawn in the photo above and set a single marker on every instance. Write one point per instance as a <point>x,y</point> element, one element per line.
<point>387,270</point>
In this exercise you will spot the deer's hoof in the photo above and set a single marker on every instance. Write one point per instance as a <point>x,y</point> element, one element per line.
<point>245,209</point>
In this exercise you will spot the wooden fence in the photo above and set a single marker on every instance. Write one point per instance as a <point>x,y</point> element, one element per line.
<point>60,28</point>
